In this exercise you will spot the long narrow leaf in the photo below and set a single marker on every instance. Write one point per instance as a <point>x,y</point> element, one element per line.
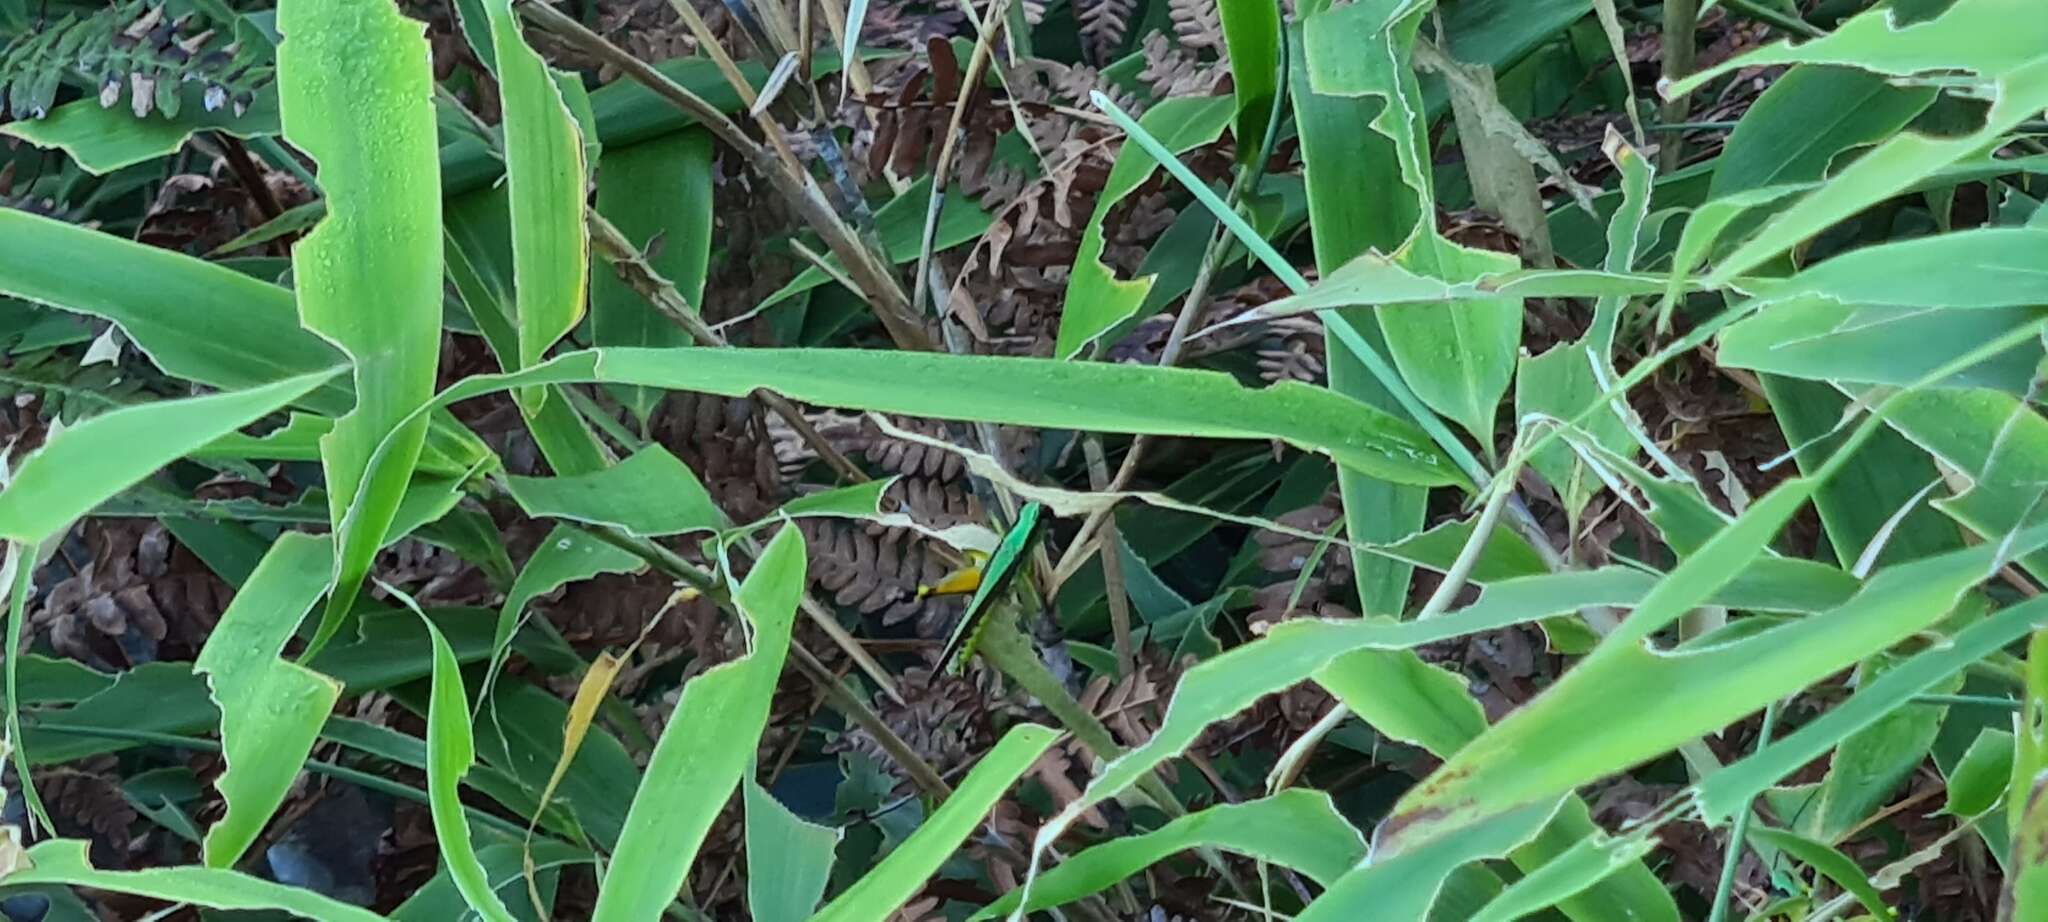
<point>891,883</point>
<point>708,744</point>
<point>545,176</point>
<point>356,86</point>
<point>271,710</point>
<point>89,463</point>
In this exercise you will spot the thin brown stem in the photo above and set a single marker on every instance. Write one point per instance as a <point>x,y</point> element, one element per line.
<point>249,174</point>
<point>631,264</point>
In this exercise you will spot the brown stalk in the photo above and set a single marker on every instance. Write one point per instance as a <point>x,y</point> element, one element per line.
<point>631,264</point>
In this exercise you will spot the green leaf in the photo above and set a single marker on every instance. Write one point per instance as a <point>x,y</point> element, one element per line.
<point>194,319</point>
<point>479,262</point>
<point>1559,385</point>
<point>1487,778</point>
<point>101,140</point>
<point>1805,120</point>
<point>1830,863</point>
<point>1346,169</point>
<point>451,751</point>
<point>2004,264</point>
<point>64,862</point>
<point>545,175</point>
<point>356,88</point>
<point>649,494</point>
<point>2027,866</point>
<point>2010,71</point>
<point>271,710</point>
<point>1592,860</point>
<point>1300,648</point>
<point>1251,35</point>
<point>706,747</point>
<point>658,194</point>
<point>90,462</point>
<point>1096,300</point>
<point>1726,792</point>
<point>892,882</point>
<point>798,856</point>
<point>1018,391</point>
<point>1820,338</point>
<point>1401,887</point>
<point>1871,763</point>
<point>566,556</point>
<point>1297,829</point>
<point>1980,778</point>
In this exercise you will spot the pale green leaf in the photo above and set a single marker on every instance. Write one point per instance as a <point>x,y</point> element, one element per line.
<point>796,855</point>
<point>271,710</point>
<point>651,493</point>
<point>90,462</point>
<point>1296,829</point>
<point>545,176</point>
<point>101,140</point>
<point>706,747</point>
<point>356,87</point>
<point>64,861</point>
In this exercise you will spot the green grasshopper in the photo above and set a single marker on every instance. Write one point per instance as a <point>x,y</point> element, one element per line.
<point>1002,567</point>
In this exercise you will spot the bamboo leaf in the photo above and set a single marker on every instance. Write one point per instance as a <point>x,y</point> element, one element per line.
<point>451,752</point>
<point>1295,829</point>
<point>271,710</point>
<point>1251,33</point>
<point>651,493</point>
<point>706,747</point>
<point>545,176</point>
<point>1097,301</point>
<point>90,462</point>
<point>64,862</point>
<point>1830,863</point>
<point>356,89</point>
<point>800,854</point>
<point>658,194</point>
<point>892,882</point>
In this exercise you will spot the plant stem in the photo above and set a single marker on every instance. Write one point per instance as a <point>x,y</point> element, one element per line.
<point>1733,857</point>
<point>1681,20</point>
<point>632,267</point>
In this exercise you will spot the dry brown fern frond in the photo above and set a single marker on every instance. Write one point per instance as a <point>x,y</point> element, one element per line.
<point>1198,25</point>
<point>727,443</point>
<point>1172,70</point>
<point>1104,24</point>
<point>85,801</point>
<point>878,571</point>
<point>138,598</point>
<point>948,720</point>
